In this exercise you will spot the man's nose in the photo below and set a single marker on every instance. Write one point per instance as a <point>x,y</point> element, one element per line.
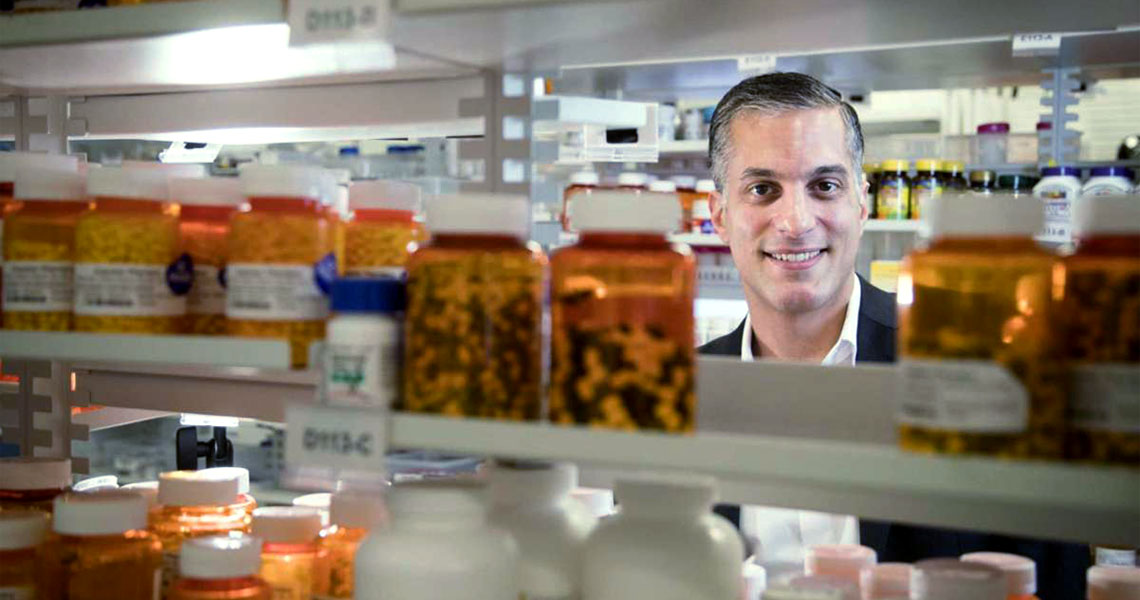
<point>795,217</point>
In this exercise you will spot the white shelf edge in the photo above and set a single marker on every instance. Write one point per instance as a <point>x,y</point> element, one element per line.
<point>892,226</point>
<point>145,349</point>
<point>668,147</point>
<point>114,416</point>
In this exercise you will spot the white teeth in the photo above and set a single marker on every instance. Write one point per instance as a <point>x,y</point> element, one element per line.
<point>796,256</point>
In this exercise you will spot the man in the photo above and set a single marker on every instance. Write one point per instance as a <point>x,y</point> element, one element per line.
<point>786,155</point>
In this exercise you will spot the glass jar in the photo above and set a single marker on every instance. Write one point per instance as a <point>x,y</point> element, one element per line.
<point>893,199</point>
<point>977,344</point>
<point>39,249</point>
<point>582,182</point>
<point>953,173</point>
<point>353,515</point>
<point>622,349</point>
<point>283,256</point>
<point>872,172</point>
<point>1017,185</point>
<point>926,185</point>
<point>33,482</point>
<point>983,182</point>
<point>473,337</point>
<point>687,192</point>
<point>382,232</point>
<point>993,143</point>
<point>207,205</point>
<point>21,537</point>
<point>130,275</point>
<point>221,568</point>
<point>293,563</point>
<point>1102,331</point>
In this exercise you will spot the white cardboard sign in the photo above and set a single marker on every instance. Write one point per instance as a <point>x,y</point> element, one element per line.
<point>1036,44</point>
<point>327,21</point>
<point>349,439</point>
<point>756,64</point>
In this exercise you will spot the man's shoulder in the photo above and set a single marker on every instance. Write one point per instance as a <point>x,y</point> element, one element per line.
<point>725,345</point>
<point>878,305</point>
<point>878,325</point>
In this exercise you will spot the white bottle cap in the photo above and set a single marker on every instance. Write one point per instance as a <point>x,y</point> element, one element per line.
<point>137,184</point>
<point>319,501</point>
<point>287,524</point>
<point>523,483</point>
<point>103,482</point>
<point>705,186</point>
<point>623,211</point>
<point>286,181</point>
<point>386,195</point>
<point>240,473</point>
<point>813,587</point>
<point>981,215</point>
<point>35,473</point>
<point>839,560</point>
<point>633,179</point>
<point>886,580</point>
<point>148,489</point>
<point>183,170</point>
<point>197,488</point>
<point>952,579</point>
<point>584,178</point>
<point>1113,583</point>
<point>220,557</point>
<point>433,498</point>
<point>479,214</point>
<point>206,191</point>
<point>21,529</point>
<point>358,509</point>
<point>600,502</point>
<point>103,512</point>
<point>701,210</point>
<point>663,185</point>
<point>685,182</point>
<point>1107,214</point>
<point>12,163</point>
<point>1020,572</point>
<point>48,184</point>
<point>666,492</point>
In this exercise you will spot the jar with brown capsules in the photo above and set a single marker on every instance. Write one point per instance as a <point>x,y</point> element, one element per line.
<point>687,191</point>
<point>622,351</point>
<point>980,369</point>
<point>473,327</point>
<point>1101,310</point>
<point>207,205</point>
<point>383,230</point>
<point>33,483</point>
<point>21,554</point>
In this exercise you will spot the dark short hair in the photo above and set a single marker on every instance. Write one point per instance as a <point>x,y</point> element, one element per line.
<point>773,94</point>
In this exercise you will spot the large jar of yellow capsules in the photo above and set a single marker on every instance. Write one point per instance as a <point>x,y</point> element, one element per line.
<point>379,237</point>
<point>979,363</point>
<point>206,207</point>
<point>39,249</point>
<point>282,257</point>
<point>130,274</point>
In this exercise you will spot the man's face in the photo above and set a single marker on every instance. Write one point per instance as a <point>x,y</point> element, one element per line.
<point>792,207</point>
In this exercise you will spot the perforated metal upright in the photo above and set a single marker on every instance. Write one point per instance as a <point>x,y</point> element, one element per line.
<point>1059,143</point>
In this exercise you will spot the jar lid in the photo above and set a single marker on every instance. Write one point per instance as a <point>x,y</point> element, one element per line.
<point>368,295</point>
<point>665,492</point>
<point>182,170</point>
<point>951,579</point>
<point>486,214</point>
<point>599,502</point>
<point>584,178</point>
<point>953,166</point>
<point>685,182</point>
<point>358,509</point>
<point>21,528</point>
<point>1061,172</point>
<point>102,512</point>
<point>148,489</point>
<point>384,195</point>
<point>435,498</point>
<point>521,482</point>
<point>1124,172</point>
<point>319,501</point>
<point>206,191</point>
<point>625,211</point>
<point>896,166</point>
<point>1020,572</point>
<point>980,215</point>
<point>839,560</point>
<point>287,524</point>
<point>701,209</point>
<point>1113,583</point>
<point>1000,127</point>
<point>197,488</point>
<point>220,557</point>
<point>286,181</point>
<point>137,184</point>
<point>886,580</point>
<point>927,165</point>
<point>705,186</point>
<point>49,184</point>
<point>102,482</point>
<point>1116,213</point>
<point>11,163</point>
<point>241,473</point>
<point>35,473</point>
<point>662,185</point>
<point>1017,182</point>
<point>633,179</point>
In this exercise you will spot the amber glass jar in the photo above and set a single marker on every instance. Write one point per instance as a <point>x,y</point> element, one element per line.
<point>39,249</point>
<point>353,515</point>
<point>893,198</point>
<point>687,192</point>
<point>622,351</point>
<point>383,230</point>
<point>21,555</point>
<point>977,347</point>
<point>245,501</point>
<point>221,568</point>
<point>1101,308</point>
<point>582,182</point>
<point>473,331</point>
<point>207,206</point>
<point>292,560</point>
<point>33,482</point>
<point>283,256</point>
<point>101,549</point>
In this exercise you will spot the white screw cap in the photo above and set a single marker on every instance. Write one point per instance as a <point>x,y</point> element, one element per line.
<point>35,473</point>
<point>1020,572</point>
<point>21,529</point>
<point>486,214</point>
<point>386,195</point>
<point>102,512</point>
<point>886,580</point>
<point>358,509</point>
<point>432,498</point>
<point>183,170</point>
<point>206,191</point>
<point>286,181</point>
<point>48,184</point>
<point>1113,583</point>
<point>197,488</point>
<point>12,163</point>
<point>633,179</point>
<point>663,185</point>
<point>521,483</point>
<point>626,212</point>
<point>220,557</point>
<point>136,184</point>
<point>951,579</point>
<point>287,524</point>
<point>148,489</point>
<point>584,178</point>
<point>843,561</point>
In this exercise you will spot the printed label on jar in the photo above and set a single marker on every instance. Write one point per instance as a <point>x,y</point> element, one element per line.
<point>207,296</point>
<point>1105,189</point>
<point>892,201</point>
<point>169,572</point>
<point>38,286</point>
<point>123,289</point>
<point>390,272</point>
<point>1104,397</point>
<point>972,396</point>
<point>18,593</point>
<point>1115,557</point>
<point>924,193</point>
<point>1058,215</point>
<point>273,293</point>
<point>361,375</point>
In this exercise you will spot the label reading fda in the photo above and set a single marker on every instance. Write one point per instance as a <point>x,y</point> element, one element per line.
<point>38,286</point>
<point>341,438</point>
<point>1105,397</point>
<point>274,292</point>
<point>972,396</point>
<point>324,21</point>
<point>124,289</point>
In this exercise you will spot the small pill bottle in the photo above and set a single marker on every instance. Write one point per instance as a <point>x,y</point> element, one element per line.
<point>353,515</point>
<point>1110,181</point>
<point>926,185</point>
<point>207,205</point>
<point>21,536</point>
<point>245,500</point>
<point>687,191</point>
<point>634,182</point>
<point>953,173</point>
<point>1113,583</point>
<point>872,173</point>
<point>885,581</point>
<point>1059,188</point>
<point>220,568</point>
<point>1020,572</point>
<point>581,182</point>
<point>101,548</point>
<point>983,182</point>
<point>293,562</point>
<point>702,207</point>
<point>362,348</point>
<point>952,579</point>
<point>383,230</point>
<point>33,482</point>
<point>893,201</point>
<point>842,561</point>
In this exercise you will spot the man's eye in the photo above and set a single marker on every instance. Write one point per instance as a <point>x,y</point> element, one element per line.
<point>761,189</point>
<point>827,187</point>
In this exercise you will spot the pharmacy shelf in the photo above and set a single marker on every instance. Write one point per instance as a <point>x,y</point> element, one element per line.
<point>697,239</point>
<point>145,349</point>
<point>114,416</point>
<point>685,147</point>
<point>888,226</point>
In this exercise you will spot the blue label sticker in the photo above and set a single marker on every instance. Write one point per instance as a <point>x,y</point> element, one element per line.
<point>180,275</point>
<point>324,272</point>
<point>222,276</point>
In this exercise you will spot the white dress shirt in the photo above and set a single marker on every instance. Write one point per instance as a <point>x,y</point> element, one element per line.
<point>781,536</point>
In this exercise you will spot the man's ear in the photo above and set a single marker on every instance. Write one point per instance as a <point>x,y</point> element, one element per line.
<point>864,200</point>
<point>718,208</point>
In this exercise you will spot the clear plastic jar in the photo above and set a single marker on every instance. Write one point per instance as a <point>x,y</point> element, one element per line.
<point>926,185</point>
<point>893,200</point>
<point>33,482</point>
<point>1020,572</point>
<point>473,331</point>
<point>977,343</point>
<point>130,276</point>
<point>220,568</point>
<point>1102,331</point>
<point>382,232</point>
<point>993,143</point>
<point>39,249</point>
<point>21,536</point>
<point>207,206</point>
<point>283,256</point>
<point>292,561</point>
<point>582,182</point>
<point>622,350</point>
<point>952,579</point>
<point>353,515</point>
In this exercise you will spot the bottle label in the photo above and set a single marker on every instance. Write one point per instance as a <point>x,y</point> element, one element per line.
<point>1058,213</point>
<point>362,374</point>
<point>208,295</point>
<point>38,286</point>
<point>168,573</point>
<point>893,200</point>
<point>389,272</point>
<point>264,292</point>
<point>125,289</point>
<point>1115,557</point>
<point>972,396</point>
<point>1104,397</point>
<point>18,593</point>
<point>925,191</point>
<point>1107,189</point>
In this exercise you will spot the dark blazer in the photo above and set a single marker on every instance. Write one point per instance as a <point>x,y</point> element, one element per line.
<point>1060,567</point>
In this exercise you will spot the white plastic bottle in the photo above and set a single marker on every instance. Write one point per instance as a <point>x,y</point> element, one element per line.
<point>1113,583</point>
<point>1058,188</point>
<point>1105,181</point>
<point>532,501</point>
<point>842,561</point>
<point>1020,572</point>
<point>952,579</point>
<point>665,543</point>
<point>438,546</point>
<point>362,349</point>
<point>886,581</point>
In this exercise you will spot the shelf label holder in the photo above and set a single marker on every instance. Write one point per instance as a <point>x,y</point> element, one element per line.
<point>328,21</point>
<point>1036,44</point>
<point>337,438</point>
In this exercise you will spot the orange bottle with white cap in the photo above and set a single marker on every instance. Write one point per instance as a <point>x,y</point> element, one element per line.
<point>885,581</point>
<point>1020,572</point>
<point>1113,583</point>
<point>842,561</point>
<point>220,568</point>
<point>33,482</point>
<point>378,239</point>
<point>353,514</point>
<point>244,499</point>
<point>952,579</point>
<point>21,534</point>
<point>292,560</point>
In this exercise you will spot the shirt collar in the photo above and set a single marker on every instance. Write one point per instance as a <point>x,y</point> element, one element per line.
<point>845,348</point>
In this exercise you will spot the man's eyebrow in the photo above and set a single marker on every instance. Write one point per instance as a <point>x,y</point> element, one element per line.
<point>828,170</point>
<point>757,172</point>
